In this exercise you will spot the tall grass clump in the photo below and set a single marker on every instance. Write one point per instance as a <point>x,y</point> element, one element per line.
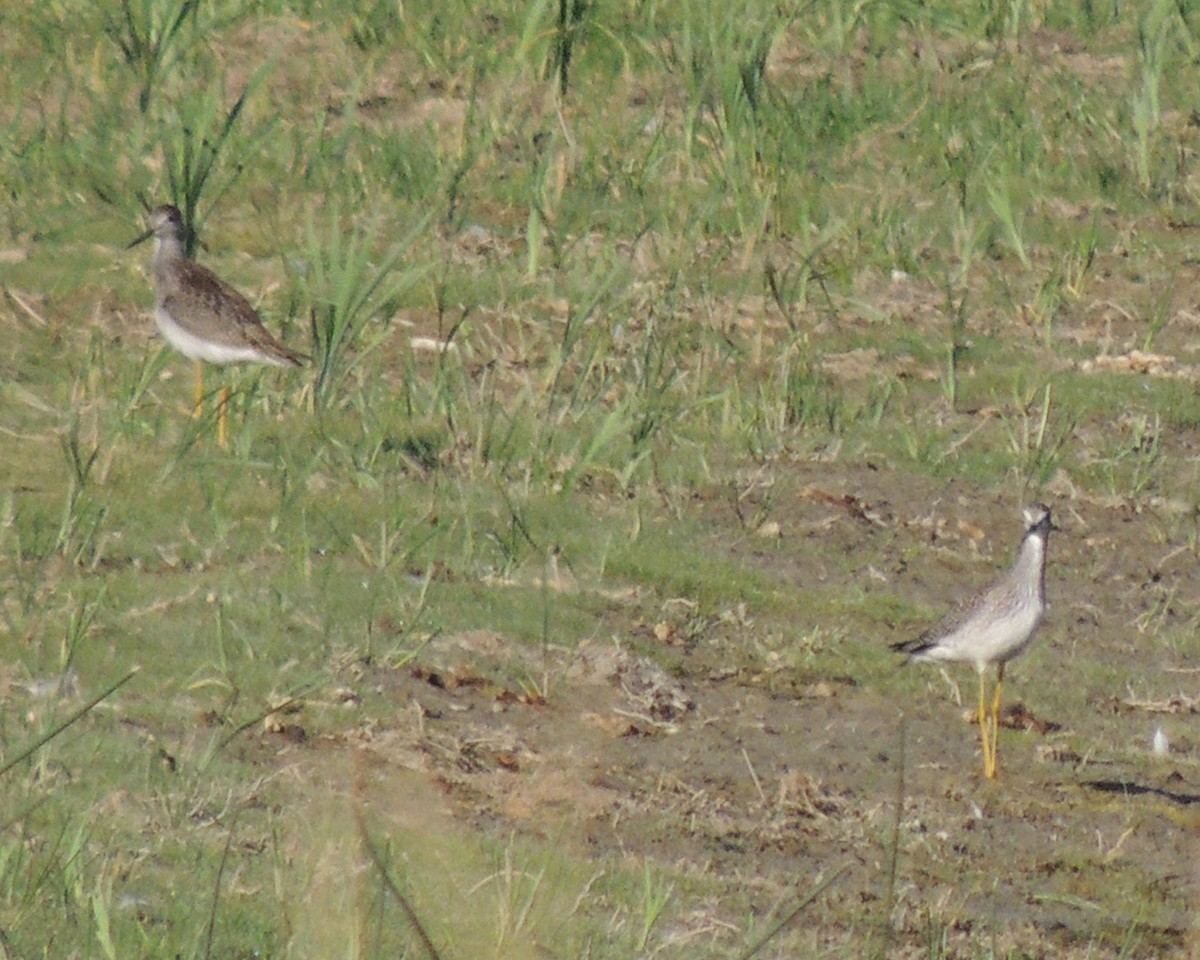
<point>204,151</point>
<point>1154,34</point>
<point>342,285</point>
<point>153,37</point>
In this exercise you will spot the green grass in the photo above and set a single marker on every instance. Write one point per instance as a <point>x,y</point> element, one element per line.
<point>570,273</point>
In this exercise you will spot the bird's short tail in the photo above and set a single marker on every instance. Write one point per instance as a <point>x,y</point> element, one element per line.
<point>912,648</point>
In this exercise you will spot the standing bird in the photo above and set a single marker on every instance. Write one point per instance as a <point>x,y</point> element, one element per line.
<point>202,316</point>
<point>994,624</point>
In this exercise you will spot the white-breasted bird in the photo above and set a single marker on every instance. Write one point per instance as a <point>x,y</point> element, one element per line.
<point>994,624</point>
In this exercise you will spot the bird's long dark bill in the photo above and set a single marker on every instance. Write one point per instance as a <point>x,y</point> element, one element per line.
<point>142,239</point>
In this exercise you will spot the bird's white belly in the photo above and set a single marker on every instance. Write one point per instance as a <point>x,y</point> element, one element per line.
<point>1000,640</point>
<point>193,346</point>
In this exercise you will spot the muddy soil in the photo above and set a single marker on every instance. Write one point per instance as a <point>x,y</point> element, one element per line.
<point>720,759</point>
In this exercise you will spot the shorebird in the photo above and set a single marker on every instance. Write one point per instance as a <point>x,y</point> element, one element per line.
<point>994,624</point>
<point>203,317</point>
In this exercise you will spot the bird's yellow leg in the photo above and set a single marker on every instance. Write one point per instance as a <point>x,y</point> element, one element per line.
<point>223,418</point>
<point>996,720</point>
<point>989,764</point>
<point>198,409</point>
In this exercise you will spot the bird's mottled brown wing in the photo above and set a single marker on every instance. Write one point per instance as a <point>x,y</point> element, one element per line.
<point>962,612</point>
<point>231,320</point>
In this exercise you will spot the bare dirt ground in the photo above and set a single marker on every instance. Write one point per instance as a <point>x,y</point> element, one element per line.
<point>764,775</point>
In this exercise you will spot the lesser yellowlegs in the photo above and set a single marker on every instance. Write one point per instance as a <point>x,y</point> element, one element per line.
<point>202,316</point>
<point>994,624</point>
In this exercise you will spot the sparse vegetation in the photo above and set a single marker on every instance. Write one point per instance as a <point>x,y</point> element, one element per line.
<point>669,359</point>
